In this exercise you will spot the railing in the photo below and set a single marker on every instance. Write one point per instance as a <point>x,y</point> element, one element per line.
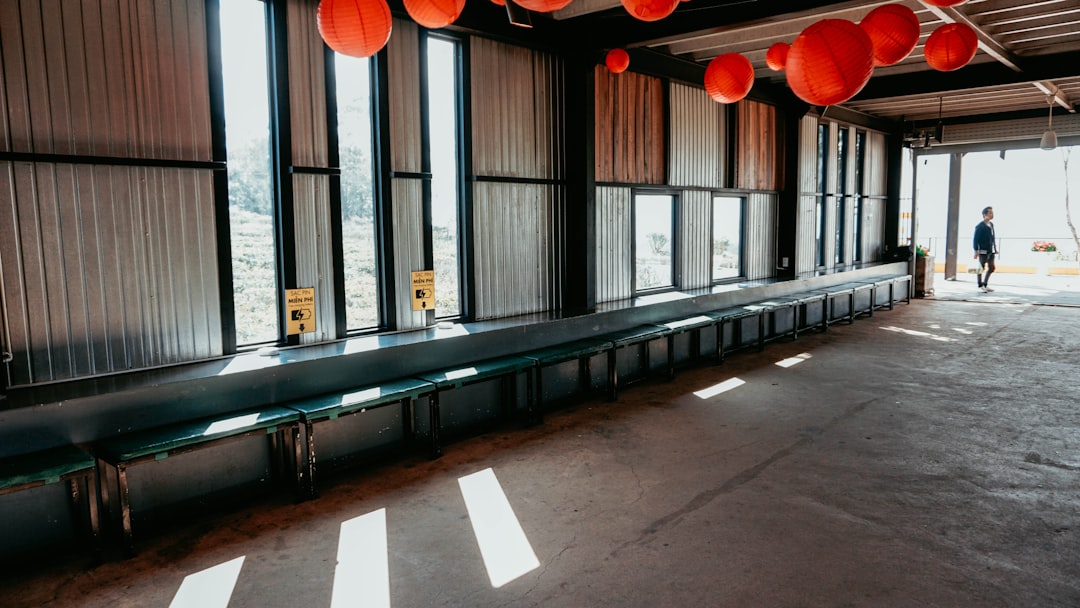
<point>1014,254</point>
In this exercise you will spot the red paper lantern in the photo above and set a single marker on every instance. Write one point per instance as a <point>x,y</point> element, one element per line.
<point>617,60</point>
<point>894,31</point>
<point>728,77</point>
<point>950,47</point>
<point>499,2</point>
<point>358,28</point>
<point>944,3</point>
<point>650,10</point>
<point>776,56</point>
<point>830,62</point>
<point>543,6</point>
<point>434,13</point>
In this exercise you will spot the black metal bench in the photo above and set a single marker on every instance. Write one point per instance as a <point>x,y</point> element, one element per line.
<point>693,326</point>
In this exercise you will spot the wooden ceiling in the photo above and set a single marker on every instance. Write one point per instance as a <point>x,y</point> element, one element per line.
<point>1028,56</point>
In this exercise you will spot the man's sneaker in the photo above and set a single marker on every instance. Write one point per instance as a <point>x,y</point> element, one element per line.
<point>987,289</point>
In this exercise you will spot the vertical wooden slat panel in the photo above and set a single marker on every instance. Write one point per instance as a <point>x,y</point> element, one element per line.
<point>757,151</point>
<point>629,128</point>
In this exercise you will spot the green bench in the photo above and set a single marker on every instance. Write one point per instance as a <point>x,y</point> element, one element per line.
<point>503,368</point>
<point>123,451</point>
<point>850,292</point>
<point>62,464</point>
<point>734,317</point>
<point>693,326</point>
<point>581,350</point>
<point>332,406</point>
<point>642,334</point>
<point>890,282</point>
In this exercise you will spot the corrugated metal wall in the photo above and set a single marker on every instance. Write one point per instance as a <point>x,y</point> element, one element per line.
<point>614,243</point>
<point>874,206</point>
<point>513,248</point>
<point>698,138</point>
<point>403,56</point>
<point>695,238</point>
<point>311,193</point>
<point>806,226</point>
<point>314,253</point>
<point>515,125</point>
<point>106,268</point>
<point>515,118</point>
<point>760,235</point>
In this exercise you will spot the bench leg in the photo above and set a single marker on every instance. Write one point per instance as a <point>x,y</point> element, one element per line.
<point>670,356</point>
<point>125,508</point>
<point>536,395</point>
<point>309,464</point>
<point>613,374</point>
<point>761,331</point>
<point>720,341</point>
<point>434,415</point>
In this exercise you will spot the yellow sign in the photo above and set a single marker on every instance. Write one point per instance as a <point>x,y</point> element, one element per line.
<point>423,289</point>
<point>300,308</point>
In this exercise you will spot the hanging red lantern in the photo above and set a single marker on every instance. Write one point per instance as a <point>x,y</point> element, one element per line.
<point>776,56</point>
<point>617,60</point>
<point>951,47</point>
<point>729,77</point>
<point>434,14</point>
<point>944,3</point>
<point>650,10</point>
<point>894,31</point>
<point>830,62</point>
<point>499,2</point>
<point>543,6</point>
<point>358,28</point>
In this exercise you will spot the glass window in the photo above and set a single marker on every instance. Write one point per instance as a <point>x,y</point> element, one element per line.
<point>251,198</point>
<point>654,233</point>
<point>727,237</point>
<point>442,56</point>
<point>353,78</point>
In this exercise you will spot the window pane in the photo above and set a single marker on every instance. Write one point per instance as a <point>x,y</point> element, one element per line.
<point>823,151</point>
<point>727,237</point>
<point>357,201</point>
<point>653,235</point>
<point>251,202</point>
<point>442,116</point>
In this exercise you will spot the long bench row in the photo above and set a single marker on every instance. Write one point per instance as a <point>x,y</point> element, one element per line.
<point>290,427</point>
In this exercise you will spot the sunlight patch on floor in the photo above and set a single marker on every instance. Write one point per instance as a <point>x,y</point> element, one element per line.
<point>362,575</point>
<point>503,545</point>
<point>210,588</point>
<point>717,389</point>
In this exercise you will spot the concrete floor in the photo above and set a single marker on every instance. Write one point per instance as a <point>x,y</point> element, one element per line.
<point>927,456</point>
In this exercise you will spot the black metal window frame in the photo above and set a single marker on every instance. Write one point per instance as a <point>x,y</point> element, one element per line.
<point>675,278</point>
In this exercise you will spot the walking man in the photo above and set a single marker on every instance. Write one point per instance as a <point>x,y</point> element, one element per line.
<point>985,245</point>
